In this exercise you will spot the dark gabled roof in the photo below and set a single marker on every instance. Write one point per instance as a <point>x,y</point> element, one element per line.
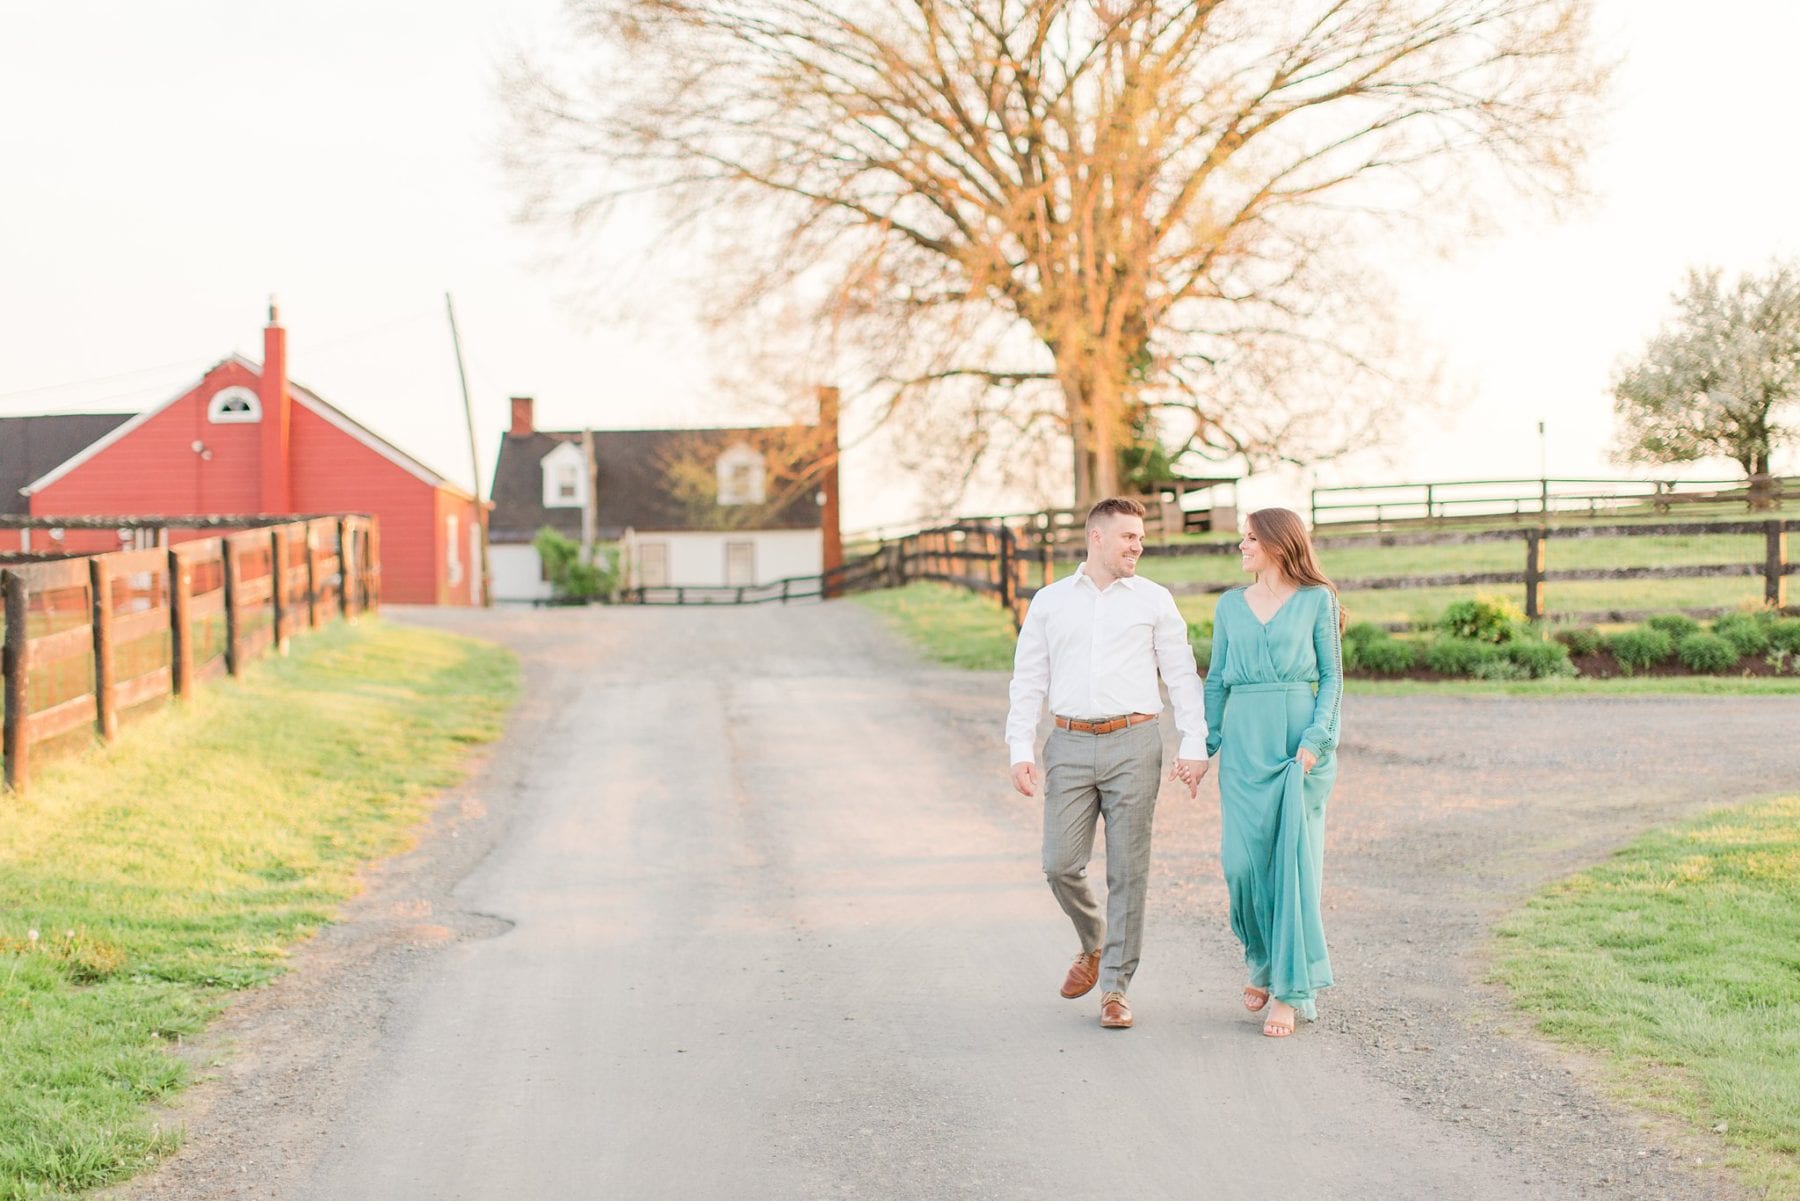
<point>636,488</point>
<point>32,446</point>
<point>518,491</point>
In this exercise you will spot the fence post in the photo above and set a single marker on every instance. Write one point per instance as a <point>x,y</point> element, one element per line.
<point>181,633</point>
<point>312,576</point>
<point>15,736</point>
<point>1003,559</point>
<point>1048,553</point>
<point>372,564</point>
<point>343,558</point>
<point>1534,573</point>
<point>229,574</point>
<point>1775,563</point>
<point>278,588</point>
<point>106,718</point>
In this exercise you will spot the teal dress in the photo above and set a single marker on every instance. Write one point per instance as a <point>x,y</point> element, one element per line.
<point>1271,689</point>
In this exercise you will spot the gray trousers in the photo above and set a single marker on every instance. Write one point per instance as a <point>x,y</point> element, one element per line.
<point>1088,777</point>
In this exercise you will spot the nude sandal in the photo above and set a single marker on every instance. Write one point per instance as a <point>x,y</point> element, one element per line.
<point>1255,998</point>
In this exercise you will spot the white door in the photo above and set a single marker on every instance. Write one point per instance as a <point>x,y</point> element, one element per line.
<point>740,564</point>
<point>653,564</point>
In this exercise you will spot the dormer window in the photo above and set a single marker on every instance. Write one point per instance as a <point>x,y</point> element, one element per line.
<point>741,476</point>
<point>564,485</point>
<point>234,406</point>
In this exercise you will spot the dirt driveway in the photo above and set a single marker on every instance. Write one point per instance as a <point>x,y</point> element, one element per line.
<point>742,907</point>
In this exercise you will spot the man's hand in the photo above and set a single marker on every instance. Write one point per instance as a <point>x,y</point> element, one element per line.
<point>1191,772</point>
<point>1307,759</point>
<point>1026,778</point>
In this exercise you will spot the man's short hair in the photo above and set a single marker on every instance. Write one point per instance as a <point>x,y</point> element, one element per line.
<point>1119,506</point>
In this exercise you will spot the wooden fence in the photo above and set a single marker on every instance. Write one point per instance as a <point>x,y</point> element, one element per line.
<point>990,560</point>
<point>858,575</point>
<point>1449,501</point>
<point>91,637</point>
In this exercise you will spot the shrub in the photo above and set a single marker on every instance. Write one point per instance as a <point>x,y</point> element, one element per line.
<point>1202,651</point>
<point>1364,632</point>
<point>1784,635</point>
<point>1640,648</point>
<point>574,578</point>
<point>1499,668</point>
<point>1539,658</point>
<point>1386,657</point>
<point>1675,625</point>
<point>1199,629</point>
<point>1485,619</point>
<point>1748,633</point>
<point>1458,656</point>
<point>1707,652</point>
<point>1582,640</point>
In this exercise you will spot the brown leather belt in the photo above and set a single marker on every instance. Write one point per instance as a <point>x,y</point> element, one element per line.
<point>1105,726</point>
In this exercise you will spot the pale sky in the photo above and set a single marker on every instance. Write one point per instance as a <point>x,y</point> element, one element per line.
<point>169,166</point>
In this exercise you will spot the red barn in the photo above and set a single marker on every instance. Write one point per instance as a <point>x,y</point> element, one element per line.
<point>246,440</point>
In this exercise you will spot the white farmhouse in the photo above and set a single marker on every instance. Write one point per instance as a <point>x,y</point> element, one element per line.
<point>696,507</point>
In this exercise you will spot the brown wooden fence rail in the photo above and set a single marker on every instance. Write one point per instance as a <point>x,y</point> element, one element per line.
<point>1444,502</point>
<point>89,638</point>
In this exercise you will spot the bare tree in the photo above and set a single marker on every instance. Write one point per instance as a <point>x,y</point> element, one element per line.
<point>1717,377</point>
<point>1074,216</point>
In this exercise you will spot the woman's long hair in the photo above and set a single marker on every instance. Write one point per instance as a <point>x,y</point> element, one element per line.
<point>1284,538</point>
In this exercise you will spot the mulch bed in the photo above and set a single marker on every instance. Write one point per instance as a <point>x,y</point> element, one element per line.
<point>1603,666</point>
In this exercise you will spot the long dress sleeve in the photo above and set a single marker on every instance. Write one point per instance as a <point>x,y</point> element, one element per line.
<point>1215,681</point>
<point>1321,736</point>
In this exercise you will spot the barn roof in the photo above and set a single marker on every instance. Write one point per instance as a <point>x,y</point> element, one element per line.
<point>32,446</point>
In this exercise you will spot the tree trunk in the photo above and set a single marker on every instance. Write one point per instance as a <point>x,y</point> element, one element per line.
<point>1095,409</point>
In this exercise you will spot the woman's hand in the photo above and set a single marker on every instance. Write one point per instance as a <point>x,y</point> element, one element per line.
<point>1306,759</point>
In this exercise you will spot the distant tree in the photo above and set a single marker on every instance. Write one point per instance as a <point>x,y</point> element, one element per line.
<point>1112,220</point>
<point>1716,378</point>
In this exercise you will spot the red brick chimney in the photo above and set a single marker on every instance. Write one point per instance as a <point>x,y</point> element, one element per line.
<point>276,492</point>
<point>828,483</point>
<point>521,414</point>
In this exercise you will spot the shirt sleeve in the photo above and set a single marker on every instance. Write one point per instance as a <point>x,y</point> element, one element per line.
<point>1321,737</point>
<point>1175,662</point>
<point>1215,682</point>
<point>1030,684</point>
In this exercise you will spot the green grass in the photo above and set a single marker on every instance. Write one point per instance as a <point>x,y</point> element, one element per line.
<point>948,625</point>
<point>181,863</point>
<point>1678,961</point>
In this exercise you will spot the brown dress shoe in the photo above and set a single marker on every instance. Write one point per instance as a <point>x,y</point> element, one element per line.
<point>1082,975</point>
<point>1115,1014</point>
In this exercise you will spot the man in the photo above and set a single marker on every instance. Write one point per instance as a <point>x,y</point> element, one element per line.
<point>1094,643</point>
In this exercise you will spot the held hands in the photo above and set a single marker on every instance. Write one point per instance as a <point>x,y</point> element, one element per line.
<point>1190,772</point>
<point>1306,759</point>
<point>1025,778</point>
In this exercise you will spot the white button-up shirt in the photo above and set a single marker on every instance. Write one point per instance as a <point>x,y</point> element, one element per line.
<point>1097,654</point>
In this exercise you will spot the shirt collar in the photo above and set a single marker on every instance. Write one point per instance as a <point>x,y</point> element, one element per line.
<point>1130,581</point>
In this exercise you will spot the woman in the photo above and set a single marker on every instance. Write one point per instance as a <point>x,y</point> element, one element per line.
<point>1272,695</point>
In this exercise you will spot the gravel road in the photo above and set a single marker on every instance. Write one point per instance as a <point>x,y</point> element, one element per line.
<point>742,907</point>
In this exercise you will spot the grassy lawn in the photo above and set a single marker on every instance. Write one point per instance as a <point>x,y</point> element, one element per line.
<point>960,629</point>
<point>142,883</point>
<point>1678,962</point>
<point>948,624</point>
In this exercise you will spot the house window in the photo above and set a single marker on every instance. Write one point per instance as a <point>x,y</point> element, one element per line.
<point>563,470</point>
<point>233,406</point>
<point>740,564</point>
<point>740,476</point>
<point>653,564</point>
